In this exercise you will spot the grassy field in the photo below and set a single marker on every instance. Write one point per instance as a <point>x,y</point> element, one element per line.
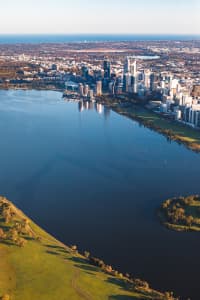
<point>181,214</point>
<point>45,269</point>
<point>174,130</point>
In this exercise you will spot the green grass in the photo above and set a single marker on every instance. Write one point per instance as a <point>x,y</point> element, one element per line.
<point>45,269</point>
<point>181,132</point>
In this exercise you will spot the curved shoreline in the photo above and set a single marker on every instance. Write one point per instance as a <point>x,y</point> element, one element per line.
<point>171,129</point>
<point>181,213</point>
<point>15,226</point>
<point>166,132</point>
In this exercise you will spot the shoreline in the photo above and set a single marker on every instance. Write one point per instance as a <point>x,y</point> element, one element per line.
<point>171,129</point>
<point>180,214</point>
<point>20,235</point>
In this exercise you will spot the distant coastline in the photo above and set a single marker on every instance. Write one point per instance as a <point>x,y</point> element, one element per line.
<point>76,38</point>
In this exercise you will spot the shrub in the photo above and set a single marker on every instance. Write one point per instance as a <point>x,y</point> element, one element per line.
<point>74,247</point>
<point>5,297</point>
<point>2,234</point>
<point>86,254</point>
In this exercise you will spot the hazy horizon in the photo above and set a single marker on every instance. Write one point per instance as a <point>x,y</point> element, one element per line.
<point>100,17</point>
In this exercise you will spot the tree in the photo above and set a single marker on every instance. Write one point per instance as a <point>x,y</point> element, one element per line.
<point>189,220</point>
<point>21,242</point>
<point>168,296</point>
<point>74,247</point>
<point>2,234</point>
<point>6,215</point>
<point>5,297</point>
<point>13,235</point>
<point>86,254</point>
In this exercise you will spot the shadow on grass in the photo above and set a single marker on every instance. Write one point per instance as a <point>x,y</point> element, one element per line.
<point>121,283</point>
<point>125,297</point>
<point>78,260</point>
<point>29,238</point>
<point>7,242</point>
<point>126,287</point>
<point>62,250</point>
<point>5,227</point>
<point>52,252</point>
<point>87,268</point>
<point>53,246</point>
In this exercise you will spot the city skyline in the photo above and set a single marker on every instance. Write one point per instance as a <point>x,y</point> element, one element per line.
<point>81,17</point>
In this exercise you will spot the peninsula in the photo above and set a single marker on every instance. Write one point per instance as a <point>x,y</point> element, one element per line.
<point>37,266</point>
<point>181,214</point>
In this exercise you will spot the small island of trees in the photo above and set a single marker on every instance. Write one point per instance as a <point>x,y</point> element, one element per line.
<point>181,213</point>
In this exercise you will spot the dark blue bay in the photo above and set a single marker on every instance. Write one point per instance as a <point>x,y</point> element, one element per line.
<point>95,180</point>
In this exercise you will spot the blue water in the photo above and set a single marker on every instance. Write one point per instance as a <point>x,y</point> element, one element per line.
<point>61,38</point>
<point>96,180</point>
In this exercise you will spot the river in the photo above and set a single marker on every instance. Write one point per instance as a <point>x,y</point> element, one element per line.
<point>94,178</point>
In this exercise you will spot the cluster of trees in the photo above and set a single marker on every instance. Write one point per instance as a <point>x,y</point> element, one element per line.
<point>16,228</point>
<point>175,210</point>
<point>131,283</point>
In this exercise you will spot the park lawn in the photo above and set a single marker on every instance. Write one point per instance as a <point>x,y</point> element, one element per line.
<point>45,269</point>
<point>184,132</point>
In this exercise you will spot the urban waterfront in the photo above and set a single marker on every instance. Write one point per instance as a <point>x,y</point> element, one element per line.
<point>95,179</point>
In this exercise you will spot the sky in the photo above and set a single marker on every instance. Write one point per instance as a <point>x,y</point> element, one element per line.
<point>102,16</point>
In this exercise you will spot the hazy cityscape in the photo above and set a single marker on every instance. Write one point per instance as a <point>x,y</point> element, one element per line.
<point>165,73</point>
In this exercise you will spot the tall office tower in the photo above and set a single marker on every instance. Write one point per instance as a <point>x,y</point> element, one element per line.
<point>127,65</point>
<point>133,68</point>
<point>127,83</point>
<point>86,90</point>
<point>133,84</point>
<point>80,88</point>
<point>107,69</point>
<point>152,82</point>
<point>85,72</point>
<point>133,71</point>
<point>147,74</point>
<point>112,87</point>
<point>174,87</point>
<point>99,88</point>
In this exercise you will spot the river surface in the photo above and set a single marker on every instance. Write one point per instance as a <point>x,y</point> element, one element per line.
<point>94,178</point>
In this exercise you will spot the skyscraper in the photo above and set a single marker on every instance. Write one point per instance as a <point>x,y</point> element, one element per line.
<point>127,65</point>
<point>107,69</point>
<point>130,75</point>
<point>147,74</point>
<point>99,88</point>
<point>133,68</point>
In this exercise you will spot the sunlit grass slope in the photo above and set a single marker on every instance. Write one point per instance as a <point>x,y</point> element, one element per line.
<point>35,266</point>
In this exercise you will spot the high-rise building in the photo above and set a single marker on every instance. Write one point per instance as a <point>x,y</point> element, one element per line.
<point>152,81</point>
<point>86,90</point>
<point>133,68</point>
<point>107,69</point>
<point>147,74</point>
<point>130,66</point>
<point>85,72</point>
<point>127,65</point>
<point>99,88</point>
<point>133,84</point>
<point>130,75</point>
